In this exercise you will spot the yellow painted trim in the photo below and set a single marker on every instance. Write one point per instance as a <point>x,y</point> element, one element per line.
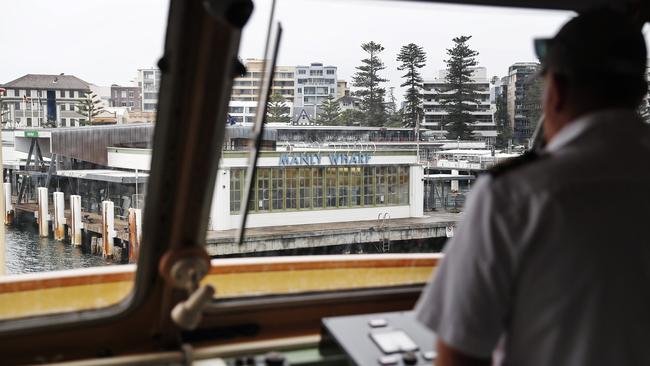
<point>62,299</point>
<point>98,295</point>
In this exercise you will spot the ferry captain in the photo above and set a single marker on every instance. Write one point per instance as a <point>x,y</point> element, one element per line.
<point>550,263</point>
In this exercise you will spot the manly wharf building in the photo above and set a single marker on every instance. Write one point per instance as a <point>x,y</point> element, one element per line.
<point>318,186</point>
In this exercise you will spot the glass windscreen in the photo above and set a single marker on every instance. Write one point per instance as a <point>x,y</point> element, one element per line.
<point>381,117</point>
<point>78,99</point>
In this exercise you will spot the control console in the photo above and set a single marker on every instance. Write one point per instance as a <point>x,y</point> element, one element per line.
<point>385,339</point>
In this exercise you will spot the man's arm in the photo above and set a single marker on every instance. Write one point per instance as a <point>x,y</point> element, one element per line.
<point>467,302</point>
<point>448,356</point>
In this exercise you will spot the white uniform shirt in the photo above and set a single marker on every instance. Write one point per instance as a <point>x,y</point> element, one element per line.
<point>553,257</point>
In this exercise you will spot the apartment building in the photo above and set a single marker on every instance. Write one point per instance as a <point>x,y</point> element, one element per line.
<point>246,88</point>
<point>435,114</point>
<point>519,112</point>
<point>37,100</point>
<point>314,84</point>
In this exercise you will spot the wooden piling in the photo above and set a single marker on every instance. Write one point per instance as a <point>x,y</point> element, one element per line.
<point>59,216</point>
<point>9,210</point>
<point>108,227</point>
<point>75,218</point>
<point>43,212</point>
<point>135,233</point>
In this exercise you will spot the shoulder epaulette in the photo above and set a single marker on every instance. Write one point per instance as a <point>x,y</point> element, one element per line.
<point>513,163</point>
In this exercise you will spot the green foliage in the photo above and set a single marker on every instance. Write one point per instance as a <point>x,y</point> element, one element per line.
<point>368,81</point>
<point>504,131</point>
<point>350,117</point>
<point>277,109</point>
<point>89,107</point>
<point>412,58</point>
<point>330,111</point>
<point>462,96</point>
<point>395,117</point>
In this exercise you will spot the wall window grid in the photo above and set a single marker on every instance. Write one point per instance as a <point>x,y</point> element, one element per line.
<point>315,188</point>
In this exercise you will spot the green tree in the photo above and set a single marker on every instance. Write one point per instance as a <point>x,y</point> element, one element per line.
<point>89,107</point>
<point>460,96</point>
<point>504,132</point>
<point>395,116</point>
<point>368,81</point>
<point>277,109</point>
<point>350,117</point>
<point>413,58</point>
<point>330,111</point>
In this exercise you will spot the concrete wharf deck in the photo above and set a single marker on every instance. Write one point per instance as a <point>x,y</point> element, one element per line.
<point>339,233</point>
<point>289,237</point>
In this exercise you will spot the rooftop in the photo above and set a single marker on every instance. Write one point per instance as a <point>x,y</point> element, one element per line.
<point>41,81</point>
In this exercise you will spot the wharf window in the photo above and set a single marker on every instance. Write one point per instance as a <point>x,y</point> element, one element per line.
<point>16,92</point>
<point>403,184</point>
<point>380,187</point>
<point>29,122</point>
<point>236,176</point>
<point>330,72</point>
<point>263,189</point>
<point>62,93</point>
<point>330,182</point>
<point>317,182</point>
<point>368,185</point>
<point>393,189</point>
<point>355,186</point>
<point>315,188</point>
<point>291,188</point>
<point>277,189</point>
<point>304,182</point>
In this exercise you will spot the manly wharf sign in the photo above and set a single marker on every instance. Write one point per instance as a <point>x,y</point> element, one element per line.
<point>334,158</point>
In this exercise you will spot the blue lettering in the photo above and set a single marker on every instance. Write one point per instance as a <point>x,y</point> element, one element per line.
<point>284,159</point>
<point>334,159</point>
<point>305,158</point>
<point>318,158</point>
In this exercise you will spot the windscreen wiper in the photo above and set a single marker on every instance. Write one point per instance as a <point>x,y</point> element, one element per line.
<point>260,119</point>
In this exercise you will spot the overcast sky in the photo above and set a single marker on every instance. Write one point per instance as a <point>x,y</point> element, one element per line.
<point>106,41</point>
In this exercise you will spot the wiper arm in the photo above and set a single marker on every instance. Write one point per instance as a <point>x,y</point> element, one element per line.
<point>258,129</point>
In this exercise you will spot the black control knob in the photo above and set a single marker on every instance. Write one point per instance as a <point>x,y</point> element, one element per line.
<point>274,359</point>
<point>410,358</point>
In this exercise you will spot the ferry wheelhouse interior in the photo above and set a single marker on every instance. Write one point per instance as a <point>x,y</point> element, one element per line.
<point>205,276</point>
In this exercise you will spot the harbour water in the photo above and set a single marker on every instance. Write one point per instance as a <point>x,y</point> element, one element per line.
<point>26,252</point>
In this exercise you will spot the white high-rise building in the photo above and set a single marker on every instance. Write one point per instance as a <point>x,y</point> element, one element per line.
<point>435,114</point>
<point>314,84</point>
<point>149,83</point>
